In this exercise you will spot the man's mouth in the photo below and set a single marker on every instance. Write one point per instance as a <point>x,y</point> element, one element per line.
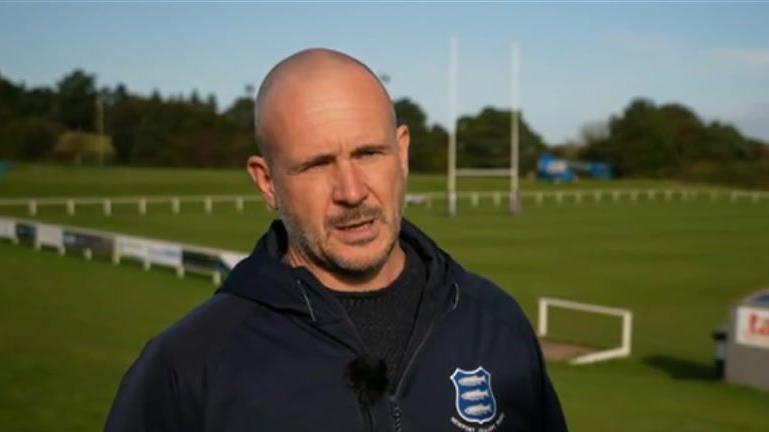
<point>357,232</point>
<point>356,225</point>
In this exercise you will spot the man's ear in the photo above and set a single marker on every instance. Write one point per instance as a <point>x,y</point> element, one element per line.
<point>260,174</point>
<point>404,141</point>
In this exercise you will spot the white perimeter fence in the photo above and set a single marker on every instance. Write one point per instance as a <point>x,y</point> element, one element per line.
<point>627,327</point>
<point>149,252</point>
<point>575,196</point>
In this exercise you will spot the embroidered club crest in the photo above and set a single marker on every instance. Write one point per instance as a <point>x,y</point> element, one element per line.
<point>475,401</point>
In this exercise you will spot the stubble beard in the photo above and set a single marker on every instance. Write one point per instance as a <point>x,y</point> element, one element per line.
<point>312,249</point>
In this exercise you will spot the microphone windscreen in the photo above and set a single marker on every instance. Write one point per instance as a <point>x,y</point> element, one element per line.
<point>367,377</point>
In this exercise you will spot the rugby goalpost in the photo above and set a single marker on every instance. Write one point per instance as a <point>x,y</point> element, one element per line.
<point>623,350</point>
<point>514,196</point>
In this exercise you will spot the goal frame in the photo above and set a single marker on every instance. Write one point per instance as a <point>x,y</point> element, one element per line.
<point>623,350</point>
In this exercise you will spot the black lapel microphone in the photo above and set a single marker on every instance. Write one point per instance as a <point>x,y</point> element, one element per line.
<point>367,377</point>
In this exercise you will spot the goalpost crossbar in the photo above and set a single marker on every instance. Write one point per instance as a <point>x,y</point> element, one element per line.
<point>483,172</point>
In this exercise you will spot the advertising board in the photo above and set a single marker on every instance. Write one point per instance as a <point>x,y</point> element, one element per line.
<point>130,247</point>
<point>753,327</point>
<point>99,245</point>
<point>48,235</point>
<point>26,232</point>
<point>7,229</point>
<point>164,254</point>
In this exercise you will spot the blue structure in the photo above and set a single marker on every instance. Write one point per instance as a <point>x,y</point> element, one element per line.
<point>552,169</point>
<point>4,168</point>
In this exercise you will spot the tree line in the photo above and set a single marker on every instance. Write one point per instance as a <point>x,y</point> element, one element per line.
<point>671,141</point>
<point>177,130</point>
<point>189,130</point>
<point>76,121</point>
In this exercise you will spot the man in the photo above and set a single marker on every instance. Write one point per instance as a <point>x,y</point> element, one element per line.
<point>345,317</point>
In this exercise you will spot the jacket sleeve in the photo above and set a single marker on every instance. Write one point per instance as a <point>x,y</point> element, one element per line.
<point>553,419</point>
<point>552,413</point>
<point>148,399</point>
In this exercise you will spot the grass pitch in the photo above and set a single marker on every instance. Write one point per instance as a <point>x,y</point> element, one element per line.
<point>67,333</point>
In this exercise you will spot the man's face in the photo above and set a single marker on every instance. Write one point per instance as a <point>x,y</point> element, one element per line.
<point>338,168</point>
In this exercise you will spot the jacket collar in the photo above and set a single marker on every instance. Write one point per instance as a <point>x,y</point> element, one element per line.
<point>263,277</point>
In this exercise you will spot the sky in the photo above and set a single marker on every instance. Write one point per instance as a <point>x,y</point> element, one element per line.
<point>580,63</point>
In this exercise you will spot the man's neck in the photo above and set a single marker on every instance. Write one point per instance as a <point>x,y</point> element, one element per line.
<point>336,281</point>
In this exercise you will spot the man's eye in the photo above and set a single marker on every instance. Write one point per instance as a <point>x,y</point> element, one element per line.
<point>314,165</point>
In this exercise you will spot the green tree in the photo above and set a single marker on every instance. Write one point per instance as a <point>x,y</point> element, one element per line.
<point>241,113</point>
<point>483,141</point>
<point>427,152</point>
<point>11,96</point>
<point>672,141</point>
<point>27,138</point>
<point>76,101</point>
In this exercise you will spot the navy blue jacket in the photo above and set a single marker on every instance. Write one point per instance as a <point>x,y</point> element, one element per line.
<point>268,353</point>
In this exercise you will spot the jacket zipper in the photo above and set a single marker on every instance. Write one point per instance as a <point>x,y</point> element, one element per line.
<point>396,413</point>
<point>395,409</point>
<point>369,413</point>
<point>359,350</point>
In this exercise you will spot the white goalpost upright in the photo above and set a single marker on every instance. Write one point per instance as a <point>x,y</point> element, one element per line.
<point>452,151</point>
<point>511,172</point>
<point>515,202</point>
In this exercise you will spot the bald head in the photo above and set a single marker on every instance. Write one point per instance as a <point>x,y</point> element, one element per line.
<point>335,166</point>
<point>313,72</point>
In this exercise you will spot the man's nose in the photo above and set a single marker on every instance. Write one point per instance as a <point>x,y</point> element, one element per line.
<point>350,189</point>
